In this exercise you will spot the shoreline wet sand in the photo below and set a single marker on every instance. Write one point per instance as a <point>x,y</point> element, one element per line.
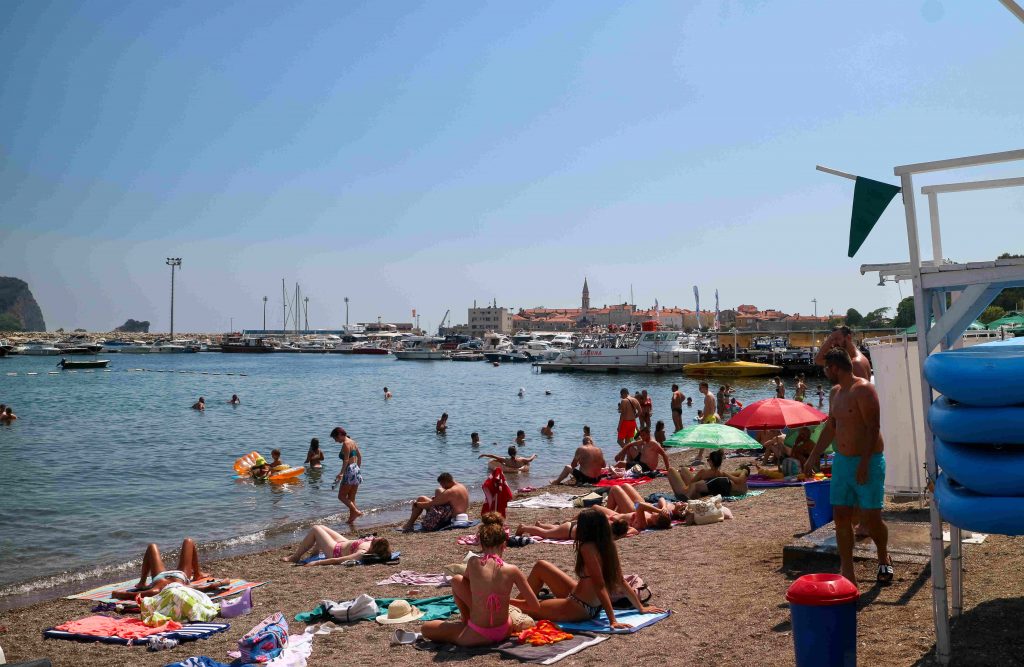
<point>725,584</point>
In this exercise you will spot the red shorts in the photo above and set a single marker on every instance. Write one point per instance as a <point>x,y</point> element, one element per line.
<point>627,429</point>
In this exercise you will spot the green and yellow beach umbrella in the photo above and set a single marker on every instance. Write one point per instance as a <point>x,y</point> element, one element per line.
<point>711,436</point>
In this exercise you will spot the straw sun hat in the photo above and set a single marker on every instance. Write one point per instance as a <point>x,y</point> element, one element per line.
<point>400,611</point>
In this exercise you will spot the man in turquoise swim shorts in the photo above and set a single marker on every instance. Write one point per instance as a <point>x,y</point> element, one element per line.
<point>858,471</point>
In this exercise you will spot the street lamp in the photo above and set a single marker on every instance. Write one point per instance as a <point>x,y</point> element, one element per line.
<point>264,314</point>
<point>173,262</point>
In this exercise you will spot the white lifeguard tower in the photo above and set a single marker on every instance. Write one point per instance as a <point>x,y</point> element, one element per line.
<point>954,293</point>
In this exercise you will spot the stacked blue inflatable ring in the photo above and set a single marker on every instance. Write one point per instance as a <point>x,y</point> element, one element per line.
<point>978,425</point>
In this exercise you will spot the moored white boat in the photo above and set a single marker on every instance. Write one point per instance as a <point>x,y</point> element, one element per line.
<point>638,351</point>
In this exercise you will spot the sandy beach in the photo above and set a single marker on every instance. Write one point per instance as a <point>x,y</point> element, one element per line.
<point>725,582</point>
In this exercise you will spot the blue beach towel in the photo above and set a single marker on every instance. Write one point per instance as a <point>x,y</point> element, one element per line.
<point>189,632</point>
<point>395,557</point>
<point>632,617</point>
<point>461,525</point>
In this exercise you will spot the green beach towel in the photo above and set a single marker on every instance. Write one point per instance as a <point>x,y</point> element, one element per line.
<point>436,608</point>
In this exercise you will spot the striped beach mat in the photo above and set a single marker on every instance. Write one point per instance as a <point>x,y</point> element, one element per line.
<point>103,593</point>
<point>187,633</point>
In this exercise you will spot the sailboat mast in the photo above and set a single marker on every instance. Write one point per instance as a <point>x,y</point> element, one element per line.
<point>284,308</point>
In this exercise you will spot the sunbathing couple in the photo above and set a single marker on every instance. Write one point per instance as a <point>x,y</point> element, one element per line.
<point>484,593</point>
<point>626,512</point>
<point>155,576</point>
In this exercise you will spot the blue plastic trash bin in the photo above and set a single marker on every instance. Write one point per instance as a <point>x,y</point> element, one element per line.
<point>819,506</point>
<point>823,608</point>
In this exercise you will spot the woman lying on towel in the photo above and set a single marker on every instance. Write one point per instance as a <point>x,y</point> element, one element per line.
<point>567,529</point>
<point>686,485</point>
<point>483,593</point>
<point>189,573</point>
<point>598,573</point>
<point>338,548</point>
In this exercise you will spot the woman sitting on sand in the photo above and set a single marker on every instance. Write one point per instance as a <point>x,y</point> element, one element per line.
<point>189,573</point>
<point>339,548</point>
<point>483,593</point>
<point>510,463</point>
<point>598,576</point>
<point>686,486</point>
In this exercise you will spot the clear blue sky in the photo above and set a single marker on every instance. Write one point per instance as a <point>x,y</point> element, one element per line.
<point>425,155</point>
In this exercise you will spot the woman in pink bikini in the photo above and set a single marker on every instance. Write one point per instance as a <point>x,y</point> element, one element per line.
<point>339,548</point>
<point>483,592</point>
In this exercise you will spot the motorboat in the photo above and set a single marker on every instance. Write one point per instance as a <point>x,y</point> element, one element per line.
<point>509,356</point>
<point>137,347</point>
<point>730,369</point>
<point>40,348</point>
<point>68,364</point>
<point>115,346</point>
<point>167,347</point>
<point>422,348</point>
<point>468,355</point>
<point>538,350</point>
<point>642,351</point>
<point>371,348</point>
<point>79,345</point>
<point>237,344</point>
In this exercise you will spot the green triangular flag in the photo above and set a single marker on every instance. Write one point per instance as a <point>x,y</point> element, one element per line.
<point>869,201</point>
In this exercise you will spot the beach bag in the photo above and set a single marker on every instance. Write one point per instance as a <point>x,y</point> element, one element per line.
<point>706,510</point>
<point>588,500</point>
<point>643,592</point>
<point>266,641</point>
<point>240,606</point>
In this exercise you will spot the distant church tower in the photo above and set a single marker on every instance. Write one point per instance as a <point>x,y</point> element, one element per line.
<point>586,297</point>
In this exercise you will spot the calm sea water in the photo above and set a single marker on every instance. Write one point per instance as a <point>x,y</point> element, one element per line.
<point>102,463</point>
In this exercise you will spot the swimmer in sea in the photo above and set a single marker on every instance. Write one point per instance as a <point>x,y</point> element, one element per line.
<point>387,394</point>
<point>520,438</point>
<point>548,431</point>
<point>200,404</point>
<point>474,439</point>
<point>522,392</point>
<point>442,424</point>
<point>510,463</point>
<point>315,456</point>
<point>8,416</point>
<point>235,400</point>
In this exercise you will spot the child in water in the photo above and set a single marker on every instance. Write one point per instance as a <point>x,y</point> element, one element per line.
<point>314,457</point>
<point>276,463</point>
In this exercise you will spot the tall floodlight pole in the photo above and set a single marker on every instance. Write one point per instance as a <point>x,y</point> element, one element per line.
<point>815,302</point>
<point>173,262</point>
<point>346,313</point>
<point>264,314</point>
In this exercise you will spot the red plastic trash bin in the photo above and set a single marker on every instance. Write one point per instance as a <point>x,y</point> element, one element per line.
<point>823,608</point>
